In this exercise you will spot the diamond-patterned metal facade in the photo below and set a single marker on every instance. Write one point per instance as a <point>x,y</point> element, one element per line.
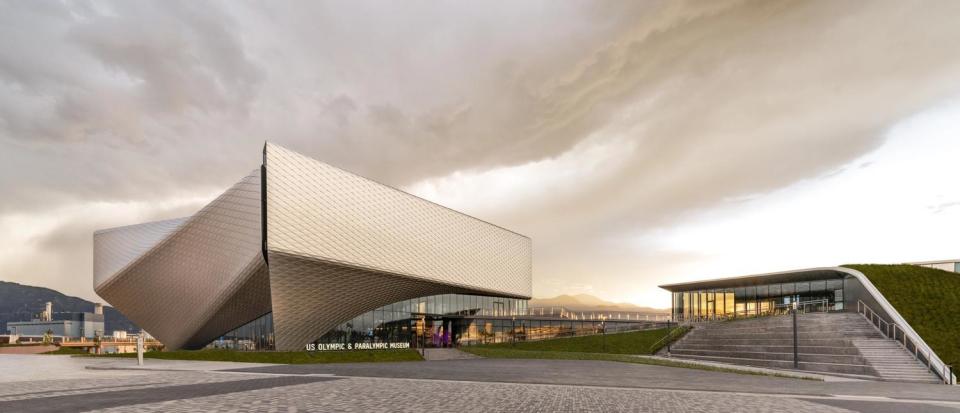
<point>118,247</point>
<point>337,245</point>
<point>177,287</point>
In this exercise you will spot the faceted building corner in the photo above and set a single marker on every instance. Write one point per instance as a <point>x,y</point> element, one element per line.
<point>296,249</point>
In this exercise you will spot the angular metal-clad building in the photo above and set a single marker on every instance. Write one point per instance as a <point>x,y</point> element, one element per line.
<point>298,249</point>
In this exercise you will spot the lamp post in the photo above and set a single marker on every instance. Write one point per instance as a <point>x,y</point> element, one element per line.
<point>669,338</point>
<point>423,336</point>
<point>603,332</point>
<point>513,331</point>
<point>796,358</point>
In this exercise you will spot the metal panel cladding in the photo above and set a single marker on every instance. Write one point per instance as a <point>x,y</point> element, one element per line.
<point>337,245</point>
<point>182,280</point>
<point>318,211</point>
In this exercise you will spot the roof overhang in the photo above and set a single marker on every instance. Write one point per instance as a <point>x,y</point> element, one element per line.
<point>808,274</point>
<point>933,262</point>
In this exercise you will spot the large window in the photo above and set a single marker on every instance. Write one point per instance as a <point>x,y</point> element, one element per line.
<point>254,335</point>
<point>755,300</point>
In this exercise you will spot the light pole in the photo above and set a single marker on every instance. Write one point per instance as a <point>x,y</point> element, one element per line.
<point>513,331</point>
<point>796,358</point>
<point>669,338</point>
<point>603,332</point>
<point>423,339</point>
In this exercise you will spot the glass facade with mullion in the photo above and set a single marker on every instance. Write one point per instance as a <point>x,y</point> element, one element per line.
<point>757,300</point>
<point>396,322</point>
<point>254,335</point>
<point>442,321</point>
<point>432,319</point>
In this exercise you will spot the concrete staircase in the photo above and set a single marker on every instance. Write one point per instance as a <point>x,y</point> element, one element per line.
<point>892,362</point>
<point>840,343</point>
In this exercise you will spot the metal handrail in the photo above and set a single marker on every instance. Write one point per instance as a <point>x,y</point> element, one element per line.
<point>923,354</point>
<point>670,336</point>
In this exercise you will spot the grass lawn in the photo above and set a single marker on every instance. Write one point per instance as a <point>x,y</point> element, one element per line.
<point>620,347</point>
<point>636,342</point>
<point>279,357</point>
<point>68,350</point>
<point>929,299</point>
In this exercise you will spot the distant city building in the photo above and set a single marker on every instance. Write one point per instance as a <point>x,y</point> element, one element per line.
<point>59,325</point>
<point>946,265</point>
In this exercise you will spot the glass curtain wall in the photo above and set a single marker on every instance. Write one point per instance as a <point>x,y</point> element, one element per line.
<point>255,335</point>
<point>446,321</point>
<point>426,321</point>
<point>431,316</point>
<point>474,331</point>
<point>757,300</point>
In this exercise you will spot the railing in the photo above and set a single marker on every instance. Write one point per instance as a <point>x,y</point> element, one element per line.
<point>812,306</point>
<point>913,345</point>
<point>563,312</point>
<point>563,328</point>
<point>672,335</point>
<point>107,341</point>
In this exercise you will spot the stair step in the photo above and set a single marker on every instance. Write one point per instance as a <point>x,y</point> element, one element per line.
<point>809,366</point>
<point>844,343</point>
<point>814,358</point>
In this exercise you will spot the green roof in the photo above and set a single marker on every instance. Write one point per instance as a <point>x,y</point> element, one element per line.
<point>928,298</point>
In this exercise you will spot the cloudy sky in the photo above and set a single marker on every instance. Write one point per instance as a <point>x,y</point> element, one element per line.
<point>637,143</point>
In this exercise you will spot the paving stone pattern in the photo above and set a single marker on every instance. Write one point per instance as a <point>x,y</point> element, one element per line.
<point>401,395</point>
<point>51,388</point>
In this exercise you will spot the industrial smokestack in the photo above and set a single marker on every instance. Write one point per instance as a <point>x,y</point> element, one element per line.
<point>48,312</point>
<point>98,308</point>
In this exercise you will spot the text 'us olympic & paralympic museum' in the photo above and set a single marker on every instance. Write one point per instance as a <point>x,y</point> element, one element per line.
<point>302,255</point>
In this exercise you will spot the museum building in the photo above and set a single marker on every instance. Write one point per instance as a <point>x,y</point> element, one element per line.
<point>298,248</point>
<point>824,290</point>
<point>300,253</point>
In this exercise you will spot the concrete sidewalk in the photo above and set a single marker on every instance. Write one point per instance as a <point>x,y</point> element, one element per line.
<point>96,363</point>
<point>23,367</point>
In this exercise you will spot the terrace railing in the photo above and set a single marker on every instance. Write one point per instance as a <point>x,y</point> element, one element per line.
<point>811,306</point>
<point>563,312</point>
<point>910,341</point>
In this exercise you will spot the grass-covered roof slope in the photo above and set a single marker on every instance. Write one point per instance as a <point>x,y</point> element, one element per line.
<point>929,299</point>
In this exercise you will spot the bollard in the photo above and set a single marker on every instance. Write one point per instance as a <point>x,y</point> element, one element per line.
<point>140,349</point>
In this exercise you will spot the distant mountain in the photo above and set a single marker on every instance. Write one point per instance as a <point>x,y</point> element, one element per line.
<point>23,302</point>
<point>586,302</point>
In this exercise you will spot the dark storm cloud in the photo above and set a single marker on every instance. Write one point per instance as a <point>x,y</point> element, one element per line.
<point>749,100</point>
<point>138,101</point>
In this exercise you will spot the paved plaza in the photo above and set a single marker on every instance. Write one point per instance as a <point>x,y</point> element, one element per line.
<point>63,384</point>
